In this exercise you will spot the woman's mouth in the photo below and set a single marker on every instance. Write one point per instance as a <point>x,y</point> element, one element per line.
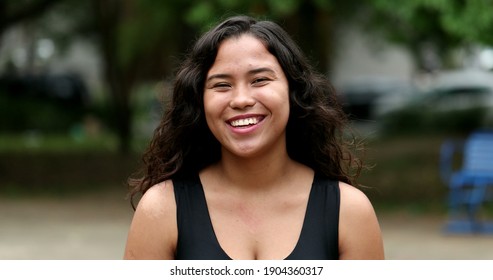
<point>245,122</point>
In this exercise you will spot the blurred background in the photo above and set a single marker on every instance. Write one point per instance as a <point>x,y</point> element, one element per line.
<point>82,84</point>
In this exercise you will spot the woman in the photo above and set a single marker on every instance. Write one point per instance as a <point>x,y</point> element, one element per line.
<point>249,160</point>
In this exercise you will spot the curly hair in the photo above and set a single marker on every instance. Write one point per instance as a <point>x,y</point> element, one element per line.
<point>182,143</point>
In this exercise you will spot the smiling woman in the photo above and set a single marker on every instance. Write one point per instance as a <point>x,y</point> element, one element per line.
<point>246,100</point>
<point>249,162</point>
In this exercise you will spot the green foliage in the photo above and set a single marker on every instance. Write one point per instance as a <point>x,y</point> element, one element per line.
<point>142,26</point>
<point>199,13</point>
<point>284,7</point>
<point>445,24</point>
<point>38,142</point>
<point>19,114</point>
<point>471,19</point>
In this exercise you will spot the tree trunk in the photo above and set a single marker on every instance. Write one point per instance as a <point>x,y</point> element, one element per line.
<point>120,82</point>
<point>310,28</point>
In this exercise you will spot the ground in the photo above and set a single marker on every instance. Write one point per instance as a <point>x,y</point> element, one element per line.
<point>95,227</point>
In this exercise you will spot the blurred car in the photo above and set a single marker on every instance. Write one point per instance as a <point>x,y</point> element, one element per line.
<point>460,101</point>
<point>360,97</point>
<point>41,102</point>
<point>67,89</point>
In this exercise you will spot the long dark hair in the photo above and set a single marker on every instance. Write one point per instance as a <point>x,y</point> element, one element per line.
<point>182,143</point>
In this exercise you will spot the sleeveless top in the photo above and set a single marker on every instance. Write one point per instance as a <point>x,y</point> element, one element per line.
<point>318,239</point>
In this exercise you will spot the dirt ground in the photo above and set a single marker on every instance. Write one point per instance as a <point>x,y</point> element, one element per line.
<point>95,227</point>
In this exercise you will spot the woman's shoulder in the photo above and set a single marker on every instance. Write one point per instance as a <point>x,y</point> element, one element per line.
<point>154,222</point>
<point>354,198</point>
<point>355,206</point>
<point>359,230</point>
<point>157,198</point>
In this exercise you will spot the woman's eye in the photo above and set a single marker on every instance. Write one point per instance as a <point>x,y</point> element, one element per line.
<point>260,81</point>
<point>221,86</point>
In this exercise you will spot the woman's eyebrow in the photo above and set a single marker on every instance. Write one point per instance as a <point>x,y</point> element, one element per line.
<point>261,70</point>
<point>250,72</point>
<point>218,76</point>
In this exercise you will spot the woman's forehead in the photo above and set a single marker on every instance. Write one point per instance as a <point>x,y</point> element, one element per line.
<point>246,52</point>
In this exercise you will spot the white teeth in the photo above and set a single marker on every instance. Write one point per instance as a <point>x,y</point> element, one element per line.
<point>244,122</point>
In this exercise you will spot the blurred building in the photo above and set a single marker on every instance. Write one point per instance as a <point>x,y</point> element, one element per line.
<point>361,56</point>
<point>24,52</point>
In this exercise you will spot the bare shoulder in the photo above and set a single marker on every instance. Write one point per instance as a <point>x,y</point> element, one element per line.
<point>359,230</point>
<point>153,231</point>
<point>158,200</point>
<point>354,200</point>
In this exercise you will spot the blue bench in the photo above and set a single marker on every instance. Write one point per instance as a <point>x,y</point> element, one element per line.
<point>469,185</point>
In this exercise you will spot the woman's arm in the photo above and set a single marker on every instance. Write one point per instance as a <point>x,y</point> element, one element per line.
<point>359,232</point>
<point>153,232</point>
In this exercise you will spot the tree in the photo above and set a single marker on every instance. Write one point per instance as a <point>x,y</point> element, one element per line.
<point>436,26</point>
<point>137,41</point>
<point>13,12</point>
<point>471,20</point>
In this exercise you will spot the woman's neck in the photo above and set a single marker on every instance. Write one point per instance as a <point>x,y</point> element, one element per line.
<point>264,171</point>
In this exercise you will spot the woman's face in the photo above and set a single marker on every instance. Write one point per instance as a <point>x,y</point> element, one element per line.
<point>246,98</point>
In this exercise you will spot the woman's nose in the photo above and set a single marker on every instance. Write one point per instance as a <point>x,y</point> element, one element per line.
<point>241,98</point>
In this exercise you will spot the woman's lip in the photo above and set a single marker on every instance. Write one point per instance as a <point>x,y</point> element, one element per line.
<point>246,116</point>
<point>246,129</point>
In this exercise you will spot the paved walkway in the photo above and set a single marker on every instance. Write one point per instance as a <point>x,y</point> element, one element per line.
<point>91,227</point>
<point>411,237</point>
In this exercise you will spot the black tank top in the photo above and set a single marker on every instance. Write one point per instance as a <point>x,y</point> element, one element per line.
<point>318,239</point>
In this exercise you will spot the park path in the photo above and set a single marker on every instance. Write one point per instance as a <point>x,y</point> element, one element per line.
<point>95,227</point>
